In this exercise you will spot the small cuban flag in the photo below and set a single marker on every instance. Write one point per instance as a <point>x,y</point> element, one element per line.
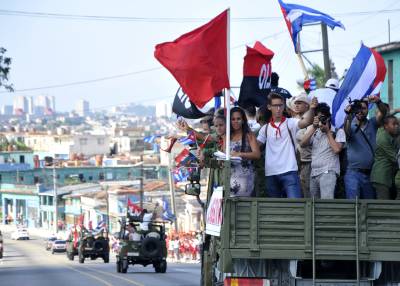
<point>297,15</point>
<point>189,140</point>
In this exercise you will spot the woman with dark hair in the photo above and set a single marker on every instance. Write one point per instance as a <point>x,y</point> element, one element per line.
<point>243,145</point>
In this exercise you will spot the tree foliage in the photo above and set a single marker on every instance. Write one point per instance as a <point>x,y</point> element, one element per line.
<point>318,74</point>
<point>5,63</point>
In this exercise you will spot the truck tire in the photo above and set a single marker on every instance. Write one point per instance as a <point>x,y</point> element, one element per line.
<point>124,266</point>
<point>151,247</point>
<point>161,267</point>
<point>81,258</point>
<point>119,266</point>
<point>106,258</point>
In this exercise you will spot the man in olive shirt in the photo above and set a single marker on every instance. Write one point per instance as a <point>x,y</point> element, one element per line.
<point>385,164</point>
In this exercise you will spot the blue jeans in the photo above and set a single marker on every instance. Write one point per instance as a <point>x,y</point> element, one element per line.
<point>284,185</point>
<point>358,184</point>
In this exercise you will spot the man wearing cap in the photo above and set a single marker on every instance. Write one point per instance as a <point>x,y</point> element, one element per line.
<point>302,104</point>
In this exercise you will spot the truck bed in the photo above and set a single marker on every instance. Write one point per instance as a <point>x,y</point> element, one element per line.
<point>301,229</point>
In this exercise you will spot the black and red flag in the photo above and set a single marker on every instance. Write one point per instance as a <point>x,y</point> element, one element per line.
<point>256,82</point>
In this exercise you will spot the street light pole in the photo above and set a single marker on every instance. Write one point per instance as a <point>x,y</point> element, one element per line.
<point>172,191</point>
<point>55,198</point>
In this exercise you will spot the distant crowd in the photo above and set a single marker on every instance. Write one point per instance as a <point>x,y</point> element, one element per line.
<point>288,148</point>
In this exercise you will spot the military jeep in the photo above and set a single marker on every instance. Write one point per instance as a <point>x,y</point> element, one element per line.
<point>93,246</point>
<point>90,245</point>
<point>149,247</point>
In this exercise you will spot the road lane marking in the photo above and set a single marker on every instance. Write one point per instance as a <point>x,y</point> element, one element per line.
<point>116,276</point>
<point>90,275</point>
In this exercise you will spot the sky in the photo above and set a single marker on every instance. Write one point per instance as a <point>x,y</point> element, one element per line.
<point>110,53</point>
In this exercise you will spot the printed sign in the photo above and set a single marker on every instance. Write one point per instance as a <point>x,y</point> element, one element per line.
<point>214,213</point>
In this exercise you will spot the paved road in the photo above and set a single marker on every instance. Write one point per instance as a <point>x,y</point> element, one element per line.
<point>28,263</point>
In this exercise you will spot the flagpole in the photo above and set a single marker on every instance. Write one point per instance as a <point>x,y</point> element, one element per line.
<point>228,92</point>
<point>300,58</point>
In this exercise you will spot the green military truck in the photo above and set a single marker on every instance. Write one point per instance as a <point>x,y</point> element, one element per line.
<point>90,245</point>
<point>146,247</point>
<point>265,241</point>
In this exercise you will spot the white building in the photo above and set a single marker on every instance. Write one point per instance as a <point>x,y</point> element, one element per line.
<point>31,105</point>
<point>163,109</point>
<point>52,103</point>
<point>20,104</point>
<point>43,100</point>
<point>82,107</point>
<point>88,145</point>
<point>7,110</point>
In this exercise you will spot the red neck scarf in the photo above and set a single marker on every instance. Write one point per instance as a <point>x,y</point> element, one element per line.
<point>278,129</point>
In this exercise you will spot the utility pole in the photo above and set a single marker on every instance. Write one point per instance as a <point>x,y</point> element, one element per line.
<point>172,190</point>
<point>389,29</point>
<point>141,181</point>
<point>108,209</point>
<point>325,51</point>
<point>55,198</point>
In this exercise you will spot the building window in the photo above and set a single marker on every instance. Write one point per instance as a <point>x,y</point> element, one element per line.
<point>81,178</point>
<point>90,178</point>
<point>36,180</point>
<point>22,159</point>
<point>100,141</point>
<point>50,201</point>
<point>83,141</point>
<point>101,176</point>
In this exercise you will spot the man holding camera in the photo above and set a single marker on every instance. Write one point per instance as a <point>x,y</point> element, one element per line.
<point>361,143</point>
<point>325,148</point>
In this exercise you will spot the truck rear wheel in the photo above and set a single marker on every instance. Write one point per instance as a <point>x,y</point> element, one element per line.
<point>81,258</point>
<point>106,258</point>
<point>161,267</point>
<point>124,266</point>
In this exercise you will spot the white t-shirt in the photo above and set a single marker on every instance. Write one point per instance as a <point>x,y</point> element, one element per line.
<point>280,157</point>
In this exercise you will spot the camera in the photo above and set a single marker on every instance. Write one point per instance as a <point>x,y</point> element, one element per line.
<point>323,119</point>
<point>356,106</point>
<point>194,187</point>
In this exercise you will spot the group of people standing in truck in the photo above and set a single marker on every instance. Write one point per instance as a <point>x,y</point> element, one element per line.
<point>293,143</point>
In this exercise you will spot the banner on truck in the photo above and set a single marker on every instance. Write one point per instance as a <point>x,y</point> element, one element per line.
<point>214,213</point>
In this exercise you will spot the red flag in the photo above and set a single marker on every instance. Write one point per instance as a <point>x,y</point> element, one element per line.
<point>198,60</point>
<point>255,86</point>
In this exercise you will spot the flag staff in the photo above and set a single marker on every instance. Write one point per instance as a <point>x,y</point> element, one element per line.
<point>228,91</point>
<point>300,58</point>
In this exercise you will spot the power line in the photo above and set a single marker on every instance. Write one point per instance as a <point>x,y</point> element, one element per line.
<point>168,20</point>
<point>86,81</point>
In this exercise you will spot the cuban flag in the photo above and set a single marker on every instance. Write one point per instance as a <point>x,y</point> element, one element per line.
<point>167,214</point>
<point>190,139</point>
<point>365,77</point>
<point>101,225</point>
<point>185,158</point>
<point>297,15</point>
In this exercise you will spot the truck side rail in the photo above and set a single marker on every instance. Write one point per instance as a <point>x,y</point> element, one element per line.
<point>298,229</point>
